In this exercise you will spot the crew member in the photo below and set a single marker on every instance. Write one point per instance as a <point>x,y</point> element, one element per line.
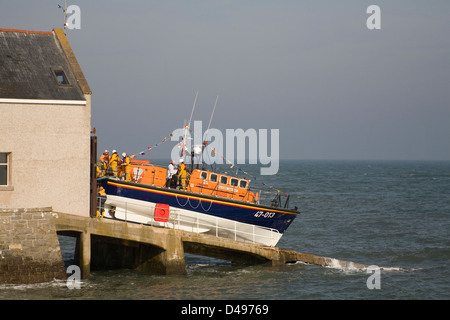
<point>101,201</point>
<point>182,173</point>
<point>171,175</point>
<point>97,166</point>
<point>104,162</point>
<point>114,163</point>
<point>126,168</point>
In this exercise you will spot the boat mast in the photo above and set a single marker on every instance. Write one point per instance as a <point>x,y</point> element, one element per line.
<point>193,107</point>
<point>209,125</point>
<point>212,114</point>
<point>188,127</point>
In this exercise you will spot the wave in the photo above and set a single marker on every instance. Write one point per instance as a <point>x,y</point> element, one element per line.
<point>400,269</point>
<point>54,284</point>
<point>348,266</point>
<point>50,284</point>
<point>353,268</point>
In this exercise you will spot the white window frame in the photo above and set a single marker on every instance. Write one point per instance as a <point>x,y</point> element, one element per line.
<point>214,177</point>
<point>234,182</point>
<point>243,181</point>
<point>7,186</point>
<point>223,177</point>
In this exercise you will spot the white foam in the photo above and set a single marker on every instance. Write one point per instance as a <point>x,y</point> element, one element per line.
<point>401,269</point>
<point>342,265</point>
<point>350,266</point>
<point>54,283</point>
<point>51,284</point>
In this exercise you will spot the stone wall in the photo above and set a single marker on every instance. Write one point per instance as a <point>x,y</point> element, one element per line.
<point>29,247</point>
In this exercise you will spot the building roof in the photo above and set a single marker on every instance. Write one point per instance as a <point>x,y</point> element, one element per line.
<point>39,65</point>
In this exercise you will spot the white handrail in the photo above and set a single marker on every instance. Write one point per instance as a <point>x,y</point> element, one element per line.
<point>178,220</point>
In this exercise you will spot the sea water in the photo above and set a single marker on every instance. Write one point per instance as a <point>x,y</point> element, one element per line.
<point>391,214</point>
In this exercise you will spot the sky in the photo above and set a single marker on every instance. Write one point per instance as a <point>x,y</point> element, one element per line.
<point>334,88</point>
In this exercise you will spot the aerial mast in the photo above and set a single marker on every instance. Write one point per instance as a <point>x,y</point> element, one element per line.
<point>188,127</point>
<point>212,114</point>
<point>64,13</point>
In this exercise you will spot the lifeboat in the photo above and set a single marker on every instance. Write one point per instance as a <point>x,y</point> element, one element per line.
<point>213,203</point>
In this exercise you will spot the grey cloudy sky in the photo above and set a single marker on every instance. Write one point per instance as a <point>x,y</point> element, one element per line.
<point>312,69</point>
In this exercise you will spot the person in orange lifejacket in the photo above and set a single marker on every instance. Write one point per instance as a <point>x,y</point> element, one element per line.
<point>114,163</point>
<point>182,174</point>
<point>104,163</point>
<point>97,166</point>
<point>126,168</point>
<point>101,201</point>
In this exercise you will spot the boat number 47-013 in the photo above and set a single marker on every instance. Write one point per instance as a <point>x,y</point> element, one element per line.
<point>264,214</point>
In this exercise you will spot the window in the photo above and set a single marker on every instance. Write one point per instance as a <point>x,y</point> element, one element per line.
<point>203,175</point>
<point>223,179</point>
<point>213,177</point>
<point>243,184</point>
<point>4,168</point>
<point>234,182</point>
<point>60,77</point>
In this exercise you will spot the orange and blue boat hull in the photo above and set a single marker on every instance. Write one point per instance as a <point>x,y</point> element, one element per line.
<point>195,212</point>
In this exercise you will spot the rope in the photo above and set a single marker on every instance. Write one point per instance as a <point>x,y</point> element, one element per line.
<point>176,197</point>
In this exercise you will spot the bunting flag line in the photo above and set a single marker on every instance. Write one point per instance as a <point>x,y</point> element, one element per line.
<point>240,169</point>
<point>262,182</point>
<point>150,148</point>
<point>228,162</point>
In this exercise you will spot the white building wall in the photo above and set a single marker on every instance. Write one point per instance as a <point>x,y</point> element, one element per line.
<point>50,156</point>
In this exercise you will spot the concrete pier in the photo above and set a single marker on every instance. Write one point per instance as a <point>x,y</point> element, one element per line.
<point>85,254</point>
<point>121,244</point>
<point>162,250</point>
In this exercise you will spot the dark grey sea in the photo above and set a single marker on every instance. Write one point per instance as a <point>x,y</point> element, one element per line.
<point>390,214</point>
